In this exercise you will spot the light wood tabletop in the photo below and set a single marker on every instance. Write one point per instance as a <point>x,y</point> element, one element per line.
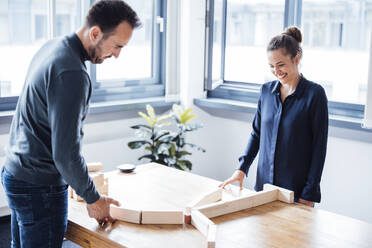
<point>154,186</point>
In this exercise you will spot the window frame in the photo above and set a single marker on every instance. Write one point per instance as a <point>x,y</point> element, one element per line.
<point>118,89</point>
<point>249,91</point>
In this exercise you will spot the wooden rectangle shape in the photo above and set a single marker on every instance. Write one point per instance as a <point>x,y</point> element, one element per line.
<point>162,217</point>
<point>124,214</point>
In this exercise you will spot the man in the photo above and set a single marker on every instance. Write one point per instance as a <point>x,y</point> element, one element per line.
<point>43,155</point>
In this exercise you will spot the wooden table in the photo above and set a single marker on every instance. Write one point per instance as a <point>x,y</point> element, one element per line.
<point>275,224</point>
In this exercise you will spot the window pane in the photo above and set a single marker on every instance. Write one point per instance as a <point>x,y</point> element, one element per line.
<point>135,60</point>
<point>24,30</point>
<point>217,40</point>
<point>249,28</point>
<point>68,17</point>
<point>339,33</point>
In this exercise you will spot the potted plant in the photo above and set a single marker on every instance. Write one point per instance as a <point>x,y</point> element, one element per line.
<point>166,146</point>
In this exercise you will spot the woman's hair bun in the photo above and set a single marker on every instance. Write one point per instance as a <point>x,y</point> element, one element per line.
<point>295,32</point>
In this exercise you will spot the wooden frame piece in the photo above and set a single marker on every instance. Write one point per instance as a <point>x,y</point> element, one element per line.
<point>200,222</point>
<point>162,217</point>
<point>94,166</point>
<point>125,214</point>
<point>211,237</point>
<point>244,202</point>
<point>284,195</point>
<point>213,196</point>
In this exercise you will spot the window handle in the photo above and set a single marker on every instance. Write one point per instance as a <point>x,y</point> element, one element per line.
<point>160,21</point>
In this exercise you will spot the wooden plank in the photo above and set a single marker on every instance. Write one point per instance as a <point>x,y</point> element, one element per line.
<point>94,166</point>
<point>211,237</point>
<point>98,178</point>
<point>284,195</point>
<point>240,203</point>
<point>200,222</point>
<point>213,196</point>
<point>125,214</point>
<point>162,217</point>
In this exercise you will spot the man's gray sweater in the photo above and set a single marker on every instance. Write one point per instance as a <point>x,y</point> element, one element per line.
<point>46,131</point>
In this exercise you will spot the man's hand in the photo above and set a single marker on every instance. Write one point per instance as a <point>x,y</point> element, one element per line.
<point>237,176</point>
<point>305,202</point>
<point>100,210</point>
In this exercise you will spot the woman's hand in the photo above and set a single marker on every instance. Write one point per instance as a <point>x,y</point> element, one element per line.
<point>305,202</point>
<point>237,176</point>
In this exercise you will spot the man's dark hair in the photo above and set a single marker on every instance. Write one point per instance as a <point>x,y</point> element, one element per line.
<point>108,14</point>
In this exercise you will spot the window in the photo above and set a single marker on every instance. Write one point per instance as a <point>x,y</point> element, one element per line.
<point>338,32</point>
<point>24,30</point>
<point>250,25</point>
<point>138,72</point>
<point>27,25</point>
<point>336,42</point>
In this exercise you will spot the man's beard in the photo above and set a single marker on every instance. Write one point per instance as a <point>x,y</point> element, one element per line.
<point>95,52</point>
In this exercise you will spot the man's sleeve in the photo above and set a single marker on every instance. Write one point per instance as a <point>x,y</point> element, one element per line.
<point>319,122</point>
<point>251,150</point>
<point>67,102</point>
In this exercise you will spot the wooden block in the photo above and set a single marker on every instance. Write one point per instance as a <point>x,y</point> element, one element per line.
<point>103,190</point>
<point>94,166</point>
<point>240,203</point>
<point>70,192</point>
<point>211,237</point>
<point>200,222</point>
<point>210,197</point>
<point>284,195</point>
<point>162,217</point>
<point>263,197</point>
<point>98,179</point>
<point>125,214</point>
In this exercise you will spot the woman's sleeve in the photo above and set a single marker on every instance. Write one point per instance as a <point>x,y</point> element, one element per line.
<point>319,123</point>
<point>253,145</point>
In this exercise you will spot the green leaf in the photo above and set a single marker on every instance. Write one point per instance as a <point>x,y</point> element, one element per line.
<point>172,150</point>
<point>185,163</point>
<point>148,156</point>
<point>180,166</point>
<point>195,147</point>
<point>182,153</point>
<point>160,134</point>
<point>163,148</point>
<point>137,144</point>
<point>140,126</point>
<point>166,138</point>
<point>149,148</point>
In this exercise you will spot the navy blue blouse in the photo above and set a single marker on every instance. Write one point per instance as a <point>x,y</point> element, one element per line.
<point>291,138</point>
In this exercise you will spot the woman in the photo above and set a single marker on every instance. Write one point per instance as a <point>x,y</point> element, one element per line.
<point>290,127</point>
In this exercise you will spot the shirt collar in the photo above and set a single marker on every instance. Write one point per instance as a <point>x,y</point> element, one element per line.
<point>78,47</point>
<point>298,91</point>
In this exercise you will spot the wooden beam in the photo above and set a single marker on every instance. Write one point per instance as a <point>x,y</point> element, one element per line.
<point>211,237</point>
<point>94,166</point>
<point>125,214</point>
<point>210,197</point>
<point>200,222</point>
<point>240,203</point>
<point>162,217</point>
<point>284,195</point>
